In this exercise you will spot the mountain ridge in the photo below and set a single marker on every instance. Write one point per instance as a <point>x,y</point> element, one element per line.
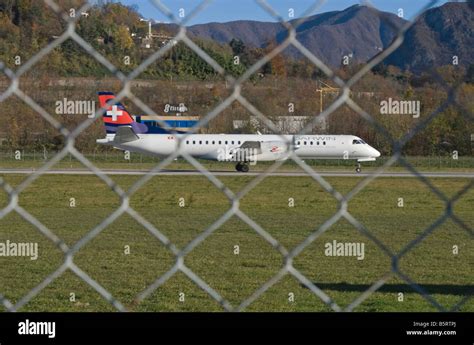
<point>437,36</point>
<point>360,32</point>
<point>329,28</point>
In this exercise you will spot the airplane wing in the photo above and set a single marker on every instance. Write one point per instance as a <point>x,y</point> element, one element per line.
<point>247,151</point>
<point>125,134</point>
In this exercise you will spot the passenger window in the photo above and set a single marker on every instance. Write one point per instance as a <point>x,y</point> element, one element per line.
<point>232,142</point>
<point>311,143</point>
<point>213,142</point>
<point>324,143</point>
<point>200,142</point>
<point>239,142</point>
<point>187,141</point>
<point>305,142</point>
<point>220,142</point>
<point>317,143</point>
<point>207,142</point>
<point>194,142</point>
<point>226,142</point>
<point>297,143</point>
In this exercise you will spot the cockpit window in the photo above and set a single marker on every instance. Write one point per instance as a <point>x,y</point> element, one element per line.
<point>358,141</point>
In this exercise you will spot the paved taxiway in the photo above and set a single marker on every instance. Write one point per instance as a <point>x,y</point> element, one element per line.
<point>235,173</point>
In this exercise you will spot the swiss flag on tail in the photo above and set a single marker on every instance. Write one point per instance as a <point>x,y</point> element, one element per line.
<point>116,114</point>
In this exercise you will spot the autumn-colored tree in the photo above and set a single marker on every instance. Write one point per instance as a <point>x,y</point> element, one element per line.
<point>122,39</point>
<point>277,65</point>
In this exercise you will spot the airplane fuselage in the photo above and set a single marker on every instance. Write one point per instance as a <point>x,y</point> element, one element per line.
<point>124,132</point>
<point>273,147</point>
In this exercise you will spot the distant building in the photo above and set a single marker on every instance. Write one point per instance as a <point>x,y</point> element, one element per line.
<point>175,123</point>
<point>285,124</point>
<point>147,42</point>
<point>3,138</point>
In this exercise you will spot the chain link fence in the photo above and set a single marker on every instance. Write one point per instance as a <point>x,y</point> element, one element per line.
<point>234,198</point>
<point>32,158</point>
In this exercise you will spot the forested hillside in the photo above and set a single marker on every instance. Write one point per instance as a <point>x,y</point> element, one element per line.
<point>181,76</point>
<point>115,31</point>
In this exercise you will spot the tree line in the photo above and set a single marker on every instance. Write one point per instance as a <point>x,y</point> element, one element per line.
<point>26,26</point>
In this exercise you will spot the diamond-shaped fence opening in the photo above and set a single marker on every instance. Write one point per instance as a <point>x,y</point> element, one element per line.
<point>285,273</point>
<point>26,276</point>
<point>125,251</point>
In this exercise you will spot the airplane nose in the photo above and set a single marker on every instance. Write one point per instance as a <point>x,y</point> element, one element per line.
<point>376,153</point>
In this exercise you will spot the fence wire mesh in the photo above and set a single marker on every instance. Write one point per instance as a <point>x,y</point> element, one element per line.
<point>288,255</point>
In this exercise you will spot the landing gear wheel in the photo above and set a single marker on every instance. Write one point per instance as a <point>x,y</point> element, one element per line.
<point>242,167</point>
<point>358,169</point>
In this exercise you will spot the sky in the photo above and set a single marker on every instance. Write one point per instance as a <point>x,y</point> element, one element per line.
<point>229,10</point>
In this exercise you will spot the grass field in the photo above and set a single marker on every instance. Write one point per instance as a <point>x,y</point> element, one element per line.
<point>116,160</point>
<point>432,264</point>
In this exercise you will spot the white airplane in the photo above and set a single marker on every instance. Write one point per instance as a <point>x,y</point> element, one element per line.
<point>124,133</point>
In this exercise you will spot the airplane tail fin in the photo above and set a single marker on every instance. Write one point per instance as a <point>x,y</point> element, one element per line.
<point>117,116</point>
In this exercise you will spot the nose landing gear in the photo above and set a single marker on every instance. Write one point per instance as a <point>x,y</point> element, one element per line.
<point>242,167</point>
<point>358,169</point>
